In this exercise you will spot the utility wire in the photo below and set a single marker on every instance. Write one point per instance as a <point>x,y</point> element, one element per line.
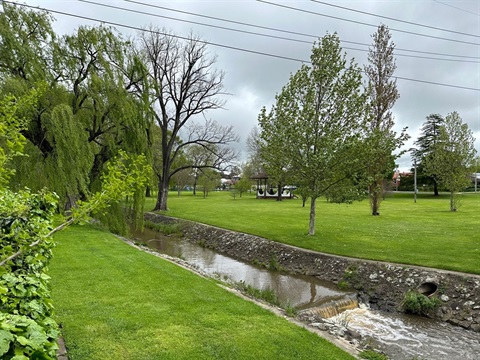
<point>262,35</point>
<point>215,44</point>
<point>285,31</point>
<point>366,24</point>
<point>393,19</point>
<point>467,11</point>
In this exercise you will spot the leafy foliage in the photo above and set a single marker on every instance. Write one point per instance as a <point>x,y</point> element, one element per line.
<point>86,113</point>
<point>316,127</point>
<point>452,156</point>
<point>27,330</point>
<point>383,94</point>
<point>416,303</point>
<point>425,143</point>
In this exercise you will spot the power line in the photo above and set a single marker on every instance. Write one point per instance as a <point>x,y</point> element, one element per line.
<point>262,35</point>
<point>131,27</point>
<point>216,44</point>
<point>366,24</point>
<point>467,11</point>
<point>283,30</point>
<point>394,19</point>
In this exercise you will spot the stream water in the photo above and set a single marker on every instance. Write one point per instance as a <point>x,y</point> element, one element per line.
<point>400,336</point>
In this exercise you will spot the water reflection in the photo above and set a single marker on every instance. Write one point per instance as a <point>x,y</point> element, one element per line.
<point>298,291</point>
<point>402,337</point>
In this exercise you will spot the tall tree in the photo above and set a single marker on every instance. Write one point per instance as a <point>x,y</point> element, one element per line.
<point>95,63</point>
<point>320,116</point>
<point>382,93</point>
<point>85,115</point>
<point>451,156</point>
<point>183,85</point>
<point>425,143</point>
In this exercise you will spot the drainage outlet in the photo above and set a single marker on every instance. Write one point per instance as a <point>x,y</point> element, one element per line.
<point>427,288</point>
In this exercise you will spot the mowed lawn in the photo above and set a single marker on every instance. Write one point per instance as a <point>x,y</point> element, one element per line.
<point>116,302</point>
<point>424,233</point>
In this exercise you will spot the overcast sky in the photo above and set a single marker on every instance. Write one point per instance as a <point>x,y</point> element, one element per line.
<point>421,29</point>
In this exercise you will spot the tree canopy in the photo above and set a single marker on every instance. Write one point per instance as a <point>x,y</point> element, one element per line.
<point>182,86</point>
<point>86,113</point>
<point>317,126</point>
<point>452,156</point>
<point>383,94</point>
<point>425,143</point>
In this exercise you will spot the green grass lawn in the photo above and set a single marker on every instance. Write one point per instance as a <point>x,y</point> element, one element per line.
<point>116,302</point>
<point>423,233</point>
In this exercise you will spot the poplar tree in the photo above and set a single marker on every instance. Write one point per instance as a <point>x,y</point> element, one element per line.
<point>383,94</point>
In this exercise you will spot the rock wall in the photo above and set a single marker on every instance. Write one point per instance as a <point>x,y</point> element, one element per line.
<point>381,285</point>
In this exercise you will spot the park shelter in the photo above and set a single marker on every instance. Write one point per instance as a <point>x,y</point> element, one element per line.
<point>264,190</point>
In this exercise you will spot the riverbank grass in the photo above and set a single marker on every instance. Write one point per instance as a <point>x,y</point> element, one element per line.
<point>116,302</point>
<point>424,233</point>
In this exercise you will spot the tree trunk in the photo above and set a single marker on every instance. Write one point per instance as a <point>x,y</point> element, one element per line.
<point>148,191</point>
<point>311,225</point>
<point>435,188</point>
<point>162,195</point>
<point>375,196</point>
<point>195,187</point>
<point>452,202</point>
<point>279,192</point>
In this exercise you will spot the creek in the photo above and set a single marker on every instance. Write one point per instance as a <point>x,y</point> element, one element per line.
<point>400,336</point>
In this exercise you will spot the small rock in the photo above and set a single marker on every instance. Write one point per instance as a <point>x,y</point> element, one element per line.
<point>444,298</point>
<point>410,281</point>
<point>469,303</point>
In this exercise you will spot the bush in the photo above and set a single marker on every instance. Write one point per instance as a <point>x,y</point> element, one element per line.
<point>416,303</point>
<point>27,330</point>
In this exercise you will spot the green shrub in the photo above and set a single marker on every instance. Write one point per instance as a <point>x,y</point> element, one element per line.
<point>416,303</point>
<point>343,285</point>
<point>372,355</point>
<point>290,310</point>
<point>267,295</point>
<point>165,229</point>
<point>274,265</point>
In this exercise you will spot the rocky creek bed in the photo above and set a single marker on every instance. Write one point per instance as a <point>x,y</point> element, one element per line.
<point>381,285</point>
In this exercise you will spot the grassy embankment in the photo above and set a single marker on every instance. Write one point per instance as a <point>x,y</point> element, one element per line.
<point>115,302</point>
<point>423,233</point>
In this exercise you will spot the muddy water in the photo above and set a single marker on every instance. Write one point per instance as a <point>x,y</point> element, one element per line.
<point>400,336</point>
<point>298,291</point>
<point>405,337</point>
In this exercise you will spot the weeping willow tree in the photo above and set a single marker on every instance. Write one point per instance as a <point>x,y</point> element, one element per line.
<point>87,114</point>
<point>68,164</point>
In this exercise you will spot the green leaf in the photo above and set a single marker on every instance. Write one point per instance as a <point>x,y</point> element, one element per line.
<point>22,340</point>
<point>6,337</point>
<point>19,357</point>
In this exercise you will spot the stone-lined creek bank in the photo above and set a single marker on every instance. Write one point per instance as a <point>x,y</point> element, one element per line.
<point>380,285</point>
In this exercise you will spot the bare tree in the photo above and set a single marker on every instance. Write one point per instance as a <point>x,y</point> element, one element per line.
<point>183,84</point>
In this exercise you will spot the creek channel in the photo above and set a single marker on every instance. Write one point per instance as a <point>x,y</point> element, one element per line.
<point>400,336</point>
